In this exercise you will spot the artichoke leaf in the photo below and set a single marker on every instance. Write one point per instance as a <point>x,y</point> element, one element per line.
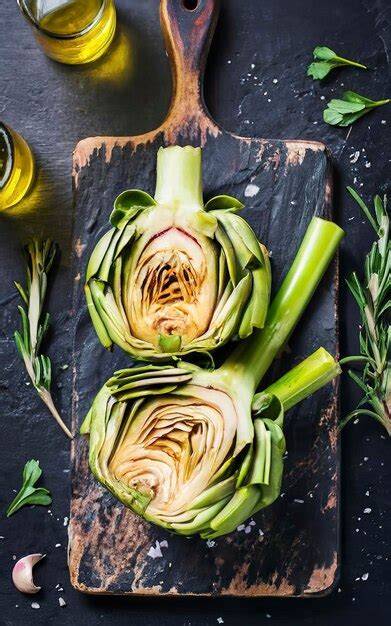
<point>217,492</point>
<point>128,233</point>
<point>227,317</point>
<point>98,254</point>
<point>261,454</point>
<point>203,222</point>
<point>140,370</point>
<point>106,305</point>
<point>245,242</point>
<point>105,267</point>
<point>229,252</point>
<point>235,512</point>
<point>224,203</point>
<point>257,307</point>
<point>270,492</point>
<point>201,521</point>
<point>245,466</point>
<point>223,276</point>
<point>117,286</point>
<point>96,319</point>
<point>128,204</point>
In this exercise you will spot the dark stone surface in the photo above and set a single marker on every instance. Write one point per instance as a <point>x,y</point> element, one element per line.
<point>53,107</point>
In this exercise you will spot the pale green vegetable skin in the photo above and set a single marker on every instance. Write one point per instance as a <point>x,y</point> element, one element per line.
<point>175,276</point>
<point>196,451</point>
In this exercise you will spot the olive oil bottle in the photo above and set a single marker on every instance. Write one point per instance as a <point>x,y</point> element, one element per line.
<point>72,31</point>
<point>16,167</point>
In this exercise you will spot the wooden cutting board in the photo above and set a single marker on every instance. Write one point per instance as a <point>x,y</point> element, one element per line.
<point>290,549</point>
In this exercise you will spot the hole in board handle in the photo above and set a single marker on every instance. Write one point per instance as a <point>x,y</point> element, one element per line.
<point>190,5</point>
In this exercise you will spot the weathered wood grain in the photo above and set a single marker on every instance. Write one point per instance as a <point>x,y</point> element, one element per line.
<point>293,548</point>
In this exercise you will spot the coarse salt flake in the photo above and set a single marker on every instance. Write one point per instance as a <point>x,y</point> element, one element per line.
<point>251,190</point>
<point>154,551</point>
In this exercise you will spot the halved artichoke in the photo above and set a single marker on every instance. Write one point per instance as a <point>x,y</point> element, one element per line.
<point>189,451</point>
<point>181,448</point>
<point>174,276</point>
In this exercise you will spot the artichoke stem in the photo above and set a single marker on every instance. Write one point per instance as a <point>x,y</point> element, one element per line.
<point>179,177</point>
<point>253,356</point>
<point>304,379</point>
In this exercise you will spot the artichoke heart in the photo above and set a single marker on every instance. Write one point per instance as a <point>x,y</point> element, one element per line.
<point>171,291</point>
<point>175,276</point>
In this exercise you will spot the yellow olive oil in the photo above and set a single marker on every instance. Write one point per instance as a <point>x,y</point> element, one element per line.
<point>16,167</point>
<point>76,32</point>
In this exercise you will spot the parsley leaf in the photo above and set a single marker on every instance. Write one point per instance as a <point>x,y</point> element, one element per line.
<point>352,106</point>
<point>326,60</point>
<point>29,494</point>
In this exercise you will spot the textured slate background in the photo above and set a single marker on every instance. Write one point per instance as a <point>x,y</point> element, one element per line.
<point>128,92</point>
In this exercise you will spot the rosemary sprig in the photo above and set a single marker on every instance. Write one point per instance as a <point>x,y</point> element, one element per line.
<point>35,323</point>
<point>373,298</point>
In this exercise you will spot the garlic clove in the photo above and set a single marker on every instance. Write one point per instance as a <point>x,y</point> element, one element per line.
<point>22,573</point>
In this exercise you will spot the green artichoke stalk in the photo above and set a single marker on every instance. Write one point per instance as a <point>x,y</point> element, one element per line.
<point>196,451</point>
<point>175,276</point>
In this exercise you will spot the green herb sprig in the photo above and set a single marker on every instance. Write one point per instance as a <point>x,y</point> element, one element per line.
<point>28,494</point>
<point>35,323</point>
<point>352,106</point>
<point>326,60</point>
<point>373,298</point>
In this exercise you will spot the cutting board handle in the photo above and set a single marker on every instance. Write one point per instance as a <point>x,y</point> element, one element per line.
<point>188,27</point>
